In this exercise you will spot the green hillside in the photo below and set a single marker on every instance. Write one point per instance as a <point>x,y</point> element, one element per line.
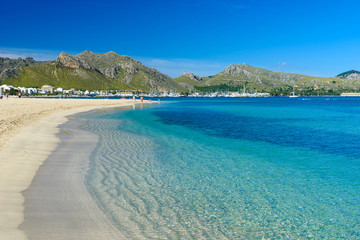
<point>94,71</point>
<point>237,76</point>
<point>187,83</point>
<point>51,73</point>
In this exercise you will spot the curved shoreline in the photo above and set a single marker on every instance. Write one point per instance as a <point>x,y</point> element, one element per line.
<point>35,139</point>
<point>58,204</point>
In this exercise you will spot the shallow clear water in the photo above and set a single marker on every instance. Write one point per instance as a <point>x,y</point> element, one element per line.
<point>230,169</point>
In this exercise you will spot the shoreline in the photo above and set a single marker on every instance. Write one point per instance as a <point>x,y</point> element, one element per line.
<point>58,204</point>
<point>28,137</point>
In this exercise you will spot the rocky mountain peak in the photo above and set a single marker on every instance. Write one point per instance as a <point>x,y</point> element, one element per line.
<point>109,64</point>
<point>69,60</point>
<point>86,52</point>
<point>352,75</point>
<point>112,53</point>
<point>192,76</point>
<point>237,70</point>
<point>9,67</point>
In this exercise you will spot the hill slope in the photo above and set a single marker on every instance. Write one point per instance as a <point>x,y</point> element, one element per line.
<point>237,76</point>
<point>189,81</point>
<point>352,74</point>
<point>9,67</point>
<point>91,71</point>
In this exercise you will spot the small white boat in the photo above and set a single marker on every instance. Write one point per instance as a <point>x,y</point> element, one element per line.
<point>293,95</point>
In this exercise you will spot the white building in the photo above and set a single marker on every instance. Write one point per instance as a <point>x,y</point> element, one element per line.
<point>6,87</point>
<point>25,90</point>
<point>31,90</point>
<point>47,89</point>
<point>59,90</point>
<point>22,90</point>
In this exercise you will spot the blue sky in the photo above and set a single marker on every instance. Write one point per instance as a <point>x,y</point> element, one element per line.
<point>319,38</point>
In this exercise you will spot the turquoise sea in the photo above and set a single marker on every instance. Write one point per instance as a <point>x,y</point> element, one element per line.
<point>226,168</point>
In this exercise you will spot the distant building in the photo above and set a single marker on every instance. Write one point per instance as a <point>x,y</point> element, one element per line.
<point>69,91</point>
<point>59,90</point>
<point>22,90</point>
<point>25,90</point>
<point>6,87</point>
<point>94,93</point>
<point>47,89</point>
<point>350,95</point>
<point>31,90</point>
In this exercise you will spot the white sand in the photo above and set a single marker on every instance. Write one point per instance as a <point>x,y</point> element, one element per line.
<point>27,137</point>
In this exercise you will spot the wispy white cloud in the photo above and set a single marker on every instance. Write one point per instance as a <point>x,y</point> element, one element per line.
<point>176,67</point>
<point>282,65</point>
<point>41,55</point>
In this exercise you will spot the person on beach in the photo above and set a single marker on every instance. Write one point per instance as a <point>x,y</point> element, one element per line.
<point>19,94</point>
<point>142,98</point>
<point>133,98</point>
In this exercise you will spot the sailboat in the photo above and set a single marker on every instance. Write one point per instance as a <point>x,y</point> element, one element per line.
<point>293,95</point>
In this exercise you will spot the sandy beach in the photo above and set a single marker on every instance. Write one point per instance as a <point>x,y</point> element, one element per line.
<point>28,129</point>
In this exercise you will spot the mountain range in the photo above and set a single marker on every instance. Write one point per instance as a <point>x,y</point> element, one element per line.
<point>9,67</point>
<point>91,71</point>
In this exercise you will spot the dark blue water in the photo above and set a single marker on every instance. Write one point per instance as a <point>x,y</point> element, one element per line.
<point>230,168</point>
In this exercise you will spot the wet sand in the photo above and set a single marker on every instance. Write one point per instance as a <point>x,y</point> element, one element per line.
<point>57,203</point>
